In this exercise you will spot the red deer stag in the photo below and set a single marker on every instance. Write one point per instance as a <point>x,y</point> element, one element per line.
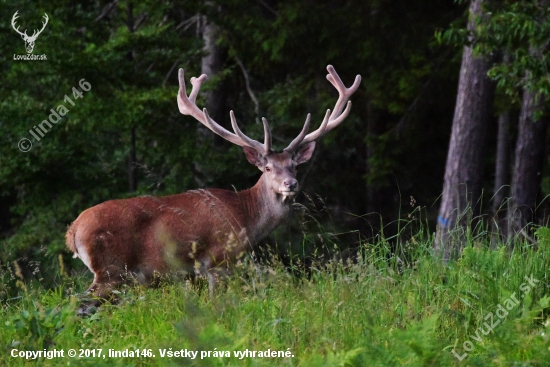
<point>200,230</point>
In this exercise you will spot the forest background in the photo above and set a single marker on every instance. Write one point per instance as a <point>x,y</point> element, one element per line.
<point>124,136</point>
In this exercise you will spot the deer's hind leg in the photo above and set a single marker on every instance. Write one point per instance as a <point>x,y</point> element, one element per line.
<point>108,273</point>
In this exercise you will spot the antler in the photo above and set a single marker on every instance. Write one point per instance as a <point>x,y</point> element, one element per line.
<point>188,106</point>
<point>15,16</point>
<point>333,119</point>
<point>35,34</point>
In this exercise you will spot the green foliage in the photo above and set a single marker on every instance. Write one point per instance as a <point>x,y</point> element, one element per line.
<point>518,30</point>
<point>364,310</point>
<point>37,328</point>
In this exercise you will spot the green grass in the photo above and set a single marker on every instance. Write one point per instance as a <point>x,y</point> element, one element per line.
<point>370,311</point>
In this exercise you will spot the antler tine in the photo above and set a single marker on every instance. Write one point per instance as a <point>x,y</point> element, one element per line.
<point>340,118</point>
<point>320,131</point>
<point>328,124</point>
<point>298,140</point>
<point>187,105</point>
<point>302,139</point>
<point>13,19</point>
<point>264,148</point>
<point>218,129</point>
<point>267,135</point>
<point>44,23</point>
<point>196,83</point>
<point>343,92</point>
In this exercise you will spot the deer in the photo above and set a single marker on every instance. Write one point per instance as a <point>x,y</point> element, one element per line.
<point>199,231</point>
<point>29,40</point>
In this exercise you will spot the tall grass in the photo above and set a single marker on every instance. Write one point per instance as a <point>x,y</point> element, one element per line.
<point>384,305</point>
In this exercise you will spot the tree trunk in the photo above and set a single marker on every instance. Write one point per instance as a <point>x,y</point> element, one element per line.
<point>502,168</point>
<point>529,159</point>
<point>464,167</point>
<point>501,188</point>
<point>211,65</point>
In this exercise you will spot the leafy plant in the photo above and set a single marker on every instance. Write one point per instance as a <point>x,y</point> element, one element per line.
<point>36,328</point>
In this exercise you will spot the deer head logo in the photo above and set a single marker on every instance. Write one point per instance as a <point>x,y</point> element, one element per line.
<point>29,40</point>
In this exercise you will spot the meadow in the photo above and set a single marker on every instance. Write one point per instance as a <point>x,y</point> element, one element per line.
<point>391,303</point>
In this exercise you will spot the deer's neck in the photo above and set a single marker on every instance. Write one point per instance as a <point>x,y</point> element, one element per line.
<point>264,209</point>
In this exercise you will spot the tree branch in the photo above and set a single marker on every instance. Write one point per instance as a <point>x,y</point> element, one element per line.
<point>249,90</point>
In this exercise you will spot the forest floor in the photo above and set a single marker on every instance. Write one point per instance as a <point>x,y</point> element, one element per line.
<point>488,308</point>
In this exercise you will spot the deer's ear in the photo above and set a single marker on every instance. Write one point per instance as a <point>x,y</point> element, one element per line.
<point>254,157</point>
<point>304,153</point>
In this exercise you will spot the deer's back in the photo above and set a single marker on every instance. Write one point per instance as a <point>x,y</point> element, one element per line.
<point>160,232</point>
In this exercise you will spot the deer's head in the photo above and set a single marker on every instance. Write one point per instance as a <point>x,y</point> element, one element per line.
<point>29,40</point>
<point>279,169</point>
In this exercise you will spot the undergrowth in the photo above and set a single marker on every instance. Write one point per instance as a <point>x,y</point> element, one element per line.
<point>384,305</point>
